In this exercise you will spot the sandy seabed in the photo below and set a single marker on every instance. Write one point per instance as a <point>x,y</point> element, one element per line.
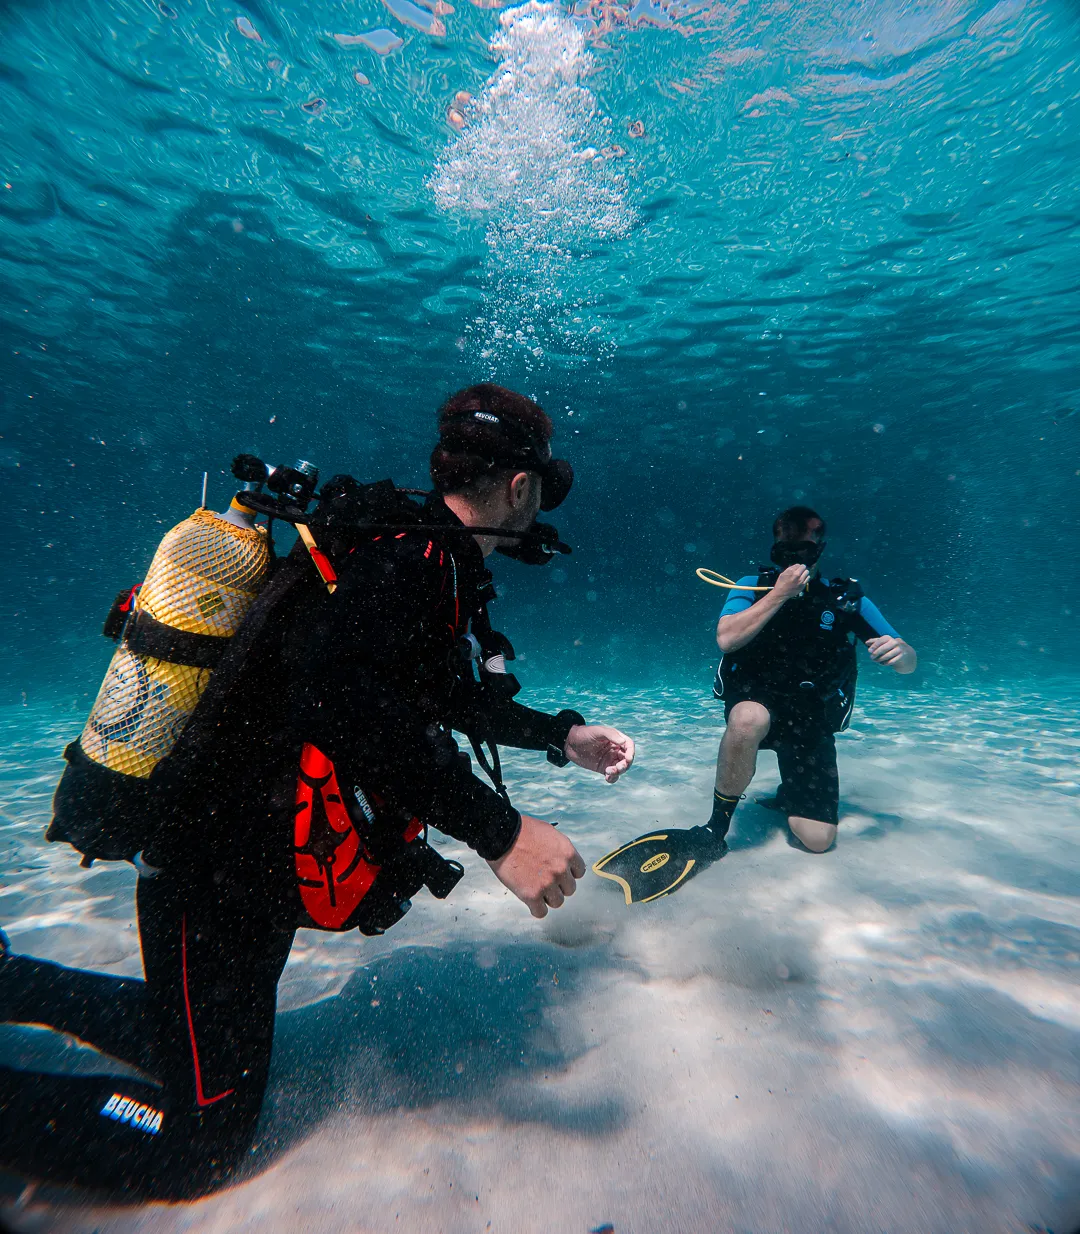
<point>883,1038</point>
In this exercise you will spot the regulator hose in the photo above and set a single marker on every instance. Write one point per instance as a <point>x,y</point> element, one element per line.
<point>721,580</point>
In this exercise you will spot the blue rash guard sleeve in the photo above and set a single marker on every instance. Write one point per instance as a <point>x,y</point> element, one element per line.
<point>871,614</point>
<point>739,601</point>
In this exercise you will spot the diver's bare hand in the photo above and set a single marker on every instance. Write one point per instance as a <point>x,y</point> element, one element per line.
<point>601,749</point>
<point>542,867</point>
<point>791,582</point>
<point>892,652</point>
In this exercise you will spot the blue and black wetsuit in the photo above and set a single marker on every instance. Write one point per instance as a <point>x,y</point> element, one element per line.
<point>801,666</point>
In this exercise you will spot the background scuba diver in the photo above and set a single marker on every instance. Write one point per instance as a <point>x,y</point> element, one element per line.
<point>787,678</point>
<point>295,798</point>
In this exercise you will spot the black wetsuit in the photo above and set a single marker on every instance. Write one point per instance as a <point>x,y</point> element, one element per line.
<point>373,676</point>
<point>801,666</point>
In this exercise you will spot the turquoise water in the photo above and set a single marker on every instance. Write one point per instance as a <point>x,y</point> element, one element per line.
<point>746,254</point>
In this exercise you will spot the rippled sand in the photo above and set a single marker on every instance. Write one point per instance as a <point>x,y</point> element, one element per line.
<point>882,1038</point>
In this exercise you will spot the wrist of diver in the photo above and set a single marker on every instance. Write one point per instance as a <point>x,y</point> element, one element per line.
<point>558,735</point>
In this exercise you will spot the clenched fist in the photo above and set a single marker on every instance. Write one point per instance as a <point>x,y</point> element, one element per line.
<point>791,582</point>
<point>542,867</point>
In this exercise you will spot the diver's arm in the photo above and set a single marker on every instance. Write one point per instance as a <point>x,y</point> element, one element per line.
<point>882,641</point>
<point>595,747</point>
<point>509,723</point>
<point>737,629</point>
<point>369,716</point>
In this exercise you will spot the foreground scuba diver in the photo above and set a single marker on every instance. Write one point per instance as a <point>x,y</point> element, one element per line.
<point>787,680</point>
<point>297,795</point>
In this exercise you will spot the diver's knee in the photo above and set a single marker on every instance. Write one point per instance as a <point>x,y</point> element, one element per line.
<point>815,835</point>
<point>749,721</point>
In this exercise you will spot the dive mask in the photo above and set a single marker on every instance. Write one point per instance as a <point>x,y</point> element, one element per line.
<point>556,481</point>
<point>796,553</point>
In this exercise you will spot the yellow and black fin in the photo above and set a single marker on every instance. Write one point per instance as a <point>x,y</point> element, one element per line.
<point>660,862</point>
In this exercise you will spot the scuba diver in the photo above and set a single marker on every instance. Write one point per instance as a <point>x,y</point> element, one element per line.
<point>299,791</point>
<point>787,681</point>
<point>787,678</point>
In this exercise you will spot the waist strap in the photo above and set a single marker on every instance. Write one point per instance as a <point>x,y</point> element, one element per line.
<point>148,637</point>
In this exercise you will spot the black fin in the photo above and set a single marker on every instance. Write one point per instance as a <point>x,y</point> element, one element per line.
<point>660,862</point>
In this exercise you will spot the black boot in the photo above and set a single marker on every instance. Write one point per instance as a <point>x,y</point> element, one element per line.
<point>723,808</point>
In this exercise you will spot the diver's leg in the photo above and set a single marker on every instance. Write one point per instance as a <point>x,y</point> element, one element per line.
<point>99,1131</point>
<point>747,727</point>
<point>811,789</point>
<point>106,1012</point>
<point>212,968</point>
<point>212,962</point>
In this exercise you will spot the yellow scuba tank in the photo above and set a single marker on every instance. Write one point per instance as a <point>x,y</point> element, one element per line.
<point>172,632</point>
<point>204,577</point>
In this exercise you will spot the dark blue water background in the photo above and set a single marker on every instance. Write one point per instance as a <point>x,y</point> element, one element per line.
<point>745,254</point>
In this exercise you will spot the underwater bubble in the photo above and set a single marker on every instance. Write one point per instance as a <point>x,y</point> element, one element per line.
<point>636,129</point>
<point>528,164</point>
<point>166,10</point>
<point>381,41</point>
<point>413,15</point>
<point>314,107</point>
<point>361,78</point>
<point>248,30</point>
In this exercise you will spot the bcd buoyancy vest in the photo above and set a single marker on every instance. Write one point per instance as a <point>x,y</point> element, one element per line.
<point>354,868</point>
<point>359,861</point>
<point>806,650</point>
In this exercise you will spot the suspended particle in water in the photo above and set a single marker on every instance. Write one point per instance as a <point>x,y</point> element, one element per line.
<point>314,107</point>
<point>879,428</point>
<point>360,78</point>
<point>637,128</point>
<point>248,30</point>
<point>237,226</point>
<point>166,10</point>
<point>274,63</point>
<point>455,119</point>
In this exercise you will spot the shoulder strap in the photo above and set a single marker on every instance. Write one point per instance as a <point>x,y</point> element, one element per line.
<point>847,592</point>
<point>766,578</point>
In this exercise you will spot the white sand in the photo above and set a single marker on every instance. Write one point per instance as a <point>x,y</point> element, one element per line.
<point>883,1038</point>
